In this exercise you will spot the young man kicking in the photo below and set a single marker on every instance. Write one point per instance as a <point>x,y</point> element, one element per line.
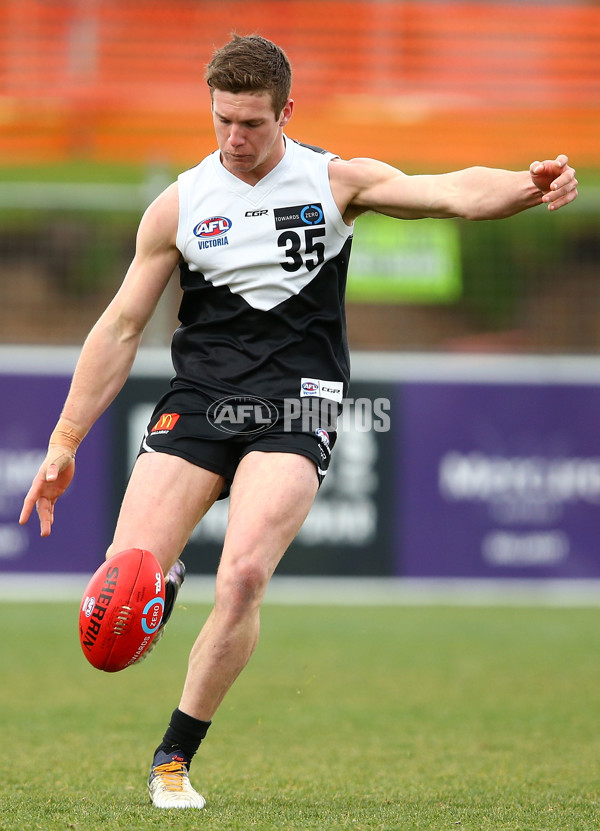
<point>261,230</point>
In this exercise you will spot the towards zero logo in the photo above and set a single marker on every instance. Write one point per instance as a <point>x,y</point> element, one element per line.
<point>299,216</point>
<point>152,615</point>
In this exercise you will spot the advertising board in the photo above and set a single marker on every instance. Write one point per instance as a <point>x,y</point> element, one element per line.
<point>437,473</point>
<point>30,406</point>
<point>500,480</point>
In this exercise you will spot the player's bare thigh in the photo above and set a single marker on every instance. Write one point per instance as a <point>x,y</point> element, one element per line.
<point>165,499</point>
<point>271,496</point>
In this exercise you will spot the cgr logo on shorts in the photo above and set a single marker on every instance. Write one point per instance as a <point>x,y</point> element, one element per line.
<point>242,415</point>
<point>333,390</point>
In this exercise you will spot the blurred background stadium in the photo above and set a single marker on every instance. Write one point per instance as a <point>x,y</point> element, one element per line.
<point>481,337</point>
<point>111,92</point>
<point>102,102</point>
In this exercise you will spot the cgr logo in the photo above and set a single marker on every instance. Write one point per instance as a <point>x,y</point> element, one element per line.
<point>242,415</point>
<point>264,212</point>
<point>214,226</point>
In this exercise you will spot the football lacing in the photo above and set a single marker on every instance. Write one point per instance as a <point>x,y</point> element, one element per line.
<point>122,620</point>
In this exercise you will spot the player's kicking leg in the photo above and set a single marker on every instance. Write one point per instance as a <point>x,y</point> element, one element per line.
<point>161,519</point>
<point>270,498</point>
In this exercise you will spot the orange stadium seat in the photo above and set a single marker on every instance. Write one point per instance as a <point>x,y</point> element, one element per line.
<point>416,83</point>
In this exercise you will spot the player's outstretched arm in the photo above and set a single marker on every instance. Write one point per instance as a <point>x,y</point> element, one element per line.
<point>108,354</point>
<point>361,185</point>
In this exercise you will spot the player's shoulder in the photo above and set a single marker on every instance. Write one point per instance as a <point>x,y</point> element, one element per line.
<point>358,171</point>
<point>162,215</point>
<point>350,179</point>
<point>169,197</point>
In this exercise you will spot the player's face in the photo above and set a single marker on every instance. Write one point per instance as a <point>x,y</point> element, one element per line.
<point>249,134</point>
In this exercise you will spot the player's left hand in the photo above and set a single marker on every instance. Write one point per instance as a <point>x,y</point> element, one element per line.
<point>51,481</point>
<point>556,180</point>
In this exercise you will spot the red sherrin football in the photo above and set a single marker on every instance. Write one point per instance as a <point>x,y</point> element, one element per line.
<point>121,610</point>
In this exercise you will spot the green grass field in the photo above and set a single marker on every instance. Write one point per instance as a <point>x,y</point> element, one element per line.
<point>346,718</point>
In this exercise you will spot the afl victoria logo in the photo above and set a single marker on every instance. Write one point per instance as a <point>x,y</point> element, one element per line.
<point>214,226</point>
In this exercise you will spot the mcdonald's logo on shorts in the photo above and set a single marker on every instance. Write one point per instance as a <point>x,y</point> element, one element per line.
<point>165,423</point>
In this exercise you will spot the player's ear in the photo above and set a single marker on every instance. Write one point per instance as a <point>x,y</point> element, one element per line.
<point>286,112</point>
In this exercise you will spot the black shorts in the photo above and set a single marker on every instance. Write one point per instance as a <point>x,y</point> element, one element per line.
<point>216,435</point>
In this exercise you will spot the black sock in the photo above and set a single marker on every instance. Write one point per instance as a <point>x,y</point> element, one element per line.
<point>184,733</point>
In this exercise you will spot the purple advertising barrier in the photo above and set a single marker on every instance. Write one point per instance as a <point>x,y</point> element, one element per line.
<point>499,480</point>
<point>30,406</point>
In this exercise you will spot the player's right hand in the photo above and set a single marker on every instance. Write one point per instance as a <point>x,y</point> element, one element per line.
<point>51,481</point>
